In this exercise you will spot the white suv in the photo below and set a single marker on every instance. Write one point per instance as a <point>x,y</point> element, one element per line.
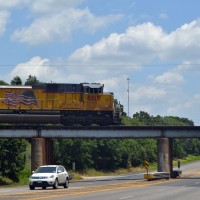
<point>49,176</point>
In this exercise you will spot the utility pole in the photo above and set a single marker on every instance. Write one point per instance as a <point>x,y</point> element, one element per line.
<point>128,95</point>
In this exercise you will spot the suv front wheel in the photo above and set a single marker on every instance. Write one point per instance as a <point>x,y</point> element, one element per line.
<point>31,187</point>
<point>55,186</point>
<point>66,184</point>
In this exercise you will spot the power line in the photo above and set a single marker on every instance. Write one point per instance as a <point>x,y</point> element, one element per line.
<point>106,65</point>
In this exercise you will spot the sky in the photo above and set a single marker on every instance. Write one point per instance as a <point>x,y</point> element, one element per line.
<point>146,52</point>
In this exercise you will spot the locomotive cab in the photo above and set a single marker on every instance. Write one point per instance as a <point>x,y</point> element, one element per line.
<point>92,88</point>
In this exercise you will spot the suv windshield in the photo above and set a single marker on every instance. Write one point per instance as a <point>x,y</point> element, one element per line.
<point>46,170</point>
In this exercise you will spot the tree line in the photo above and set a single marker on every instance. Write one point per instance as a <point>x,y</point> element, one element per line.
<point>99,154</point>
<point>18,81</point>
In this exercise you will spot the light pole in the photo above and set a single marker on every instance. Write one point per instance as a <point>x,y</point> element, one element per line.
<point>128,95</point>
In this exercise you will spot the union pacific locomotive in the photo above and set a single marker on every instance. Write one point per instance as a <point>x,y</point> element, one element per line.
<point>52,103</point>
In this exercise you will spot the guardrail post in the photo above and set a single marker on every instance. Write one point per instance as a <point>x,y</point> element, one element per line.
<point>171,157</point>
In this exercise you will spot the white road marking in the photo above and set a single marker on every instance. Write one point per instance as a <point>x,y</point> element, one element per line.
<point>126,197</point>
<point>6,190</point>
<point>162,190</point>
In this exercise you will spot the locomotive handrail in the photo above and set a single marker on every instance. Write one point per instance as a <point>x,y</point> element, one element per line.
<point>95,127</point>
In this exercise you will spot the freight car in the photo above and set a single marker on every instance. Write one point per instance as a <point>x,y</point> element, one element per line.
<point>53,103</point>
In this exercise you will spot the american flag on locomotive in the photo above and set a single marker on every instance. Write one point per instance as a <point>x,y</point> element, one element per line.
<point>26,97</point>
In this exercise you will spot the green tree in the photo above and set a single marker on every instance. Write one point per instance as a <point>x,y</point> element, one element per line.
<point>75,150</point>
<point>13,157</point>
<point>192,146</point>
<point>130,153</point>
<point>179,149</point>
<point>150,146</point>
<point>108,155</point>
<point>119,107</point>
<point>16,81</point>
<point>31,80</point>
<point>3,82</point>
<point>177,121</point>
<point>143,117</point>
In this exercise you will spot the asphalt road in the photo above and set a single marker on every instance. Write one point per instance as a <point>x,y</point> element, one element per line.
<point>130,186</point>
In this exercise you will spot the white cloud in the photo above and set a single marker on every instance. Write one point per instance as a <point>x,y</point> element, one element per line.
<point>38,67</point>
<point>190,66</point>
<point>4,16</point>
<point>142,44</point>
<point>40,6</point>
<point>60,26</point>
<point>12,3</point>
<point>186,107</point>
<point>146,93</point>
<point>149,98</point>
<point>183,43</point>
<point>47,71</point>
<point>169,77</point>
<point>50,6</point>
<point>163,15</point>
<point>139,44</point>
<point>111,83</point>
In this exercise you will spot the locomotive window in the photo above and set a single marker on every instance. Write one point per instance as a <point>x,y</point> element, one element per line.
<point>93,90</point>
<point>52,88</point>
<point>87,90</point>
<point>61,88</point>
<point>73,88</point>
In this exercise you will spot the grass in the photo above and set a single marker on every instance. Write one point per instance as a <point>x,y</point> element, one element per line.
<point>93,172</point>
<point>189,159</point>
<point>5,181</point>
<point>23,179</point>
<point>152,167</point>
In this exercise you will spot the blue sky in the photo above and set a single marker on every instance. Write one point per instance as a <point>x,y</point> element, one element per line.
<point>155,44</point>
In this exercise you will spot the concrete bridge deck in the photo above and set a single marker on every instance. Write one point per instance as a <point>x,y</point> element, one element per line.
<point>100,131</point>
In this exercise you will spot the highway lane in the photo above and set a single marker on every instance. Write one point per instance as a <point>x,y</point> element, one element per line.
<point>118,187</point>
<point>183,189</point>
<point>167,190</point>
<point>74,191</point>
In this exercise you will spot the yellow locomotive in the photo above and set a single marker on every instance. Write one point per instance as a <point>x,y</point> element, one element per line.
<point>53,103</point>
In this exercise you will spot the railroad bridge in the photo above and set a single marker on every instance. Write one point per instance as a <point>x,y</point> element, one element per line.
<point>42,143</point>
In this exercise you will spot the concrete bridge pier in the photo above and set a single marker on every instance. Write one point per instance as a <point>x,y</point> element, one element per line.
<point>41,152</point>
<point>165,158</point>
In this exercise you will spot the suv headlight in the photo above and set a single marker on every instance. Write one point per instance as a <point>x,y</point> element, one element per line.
<point>52,176</point>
